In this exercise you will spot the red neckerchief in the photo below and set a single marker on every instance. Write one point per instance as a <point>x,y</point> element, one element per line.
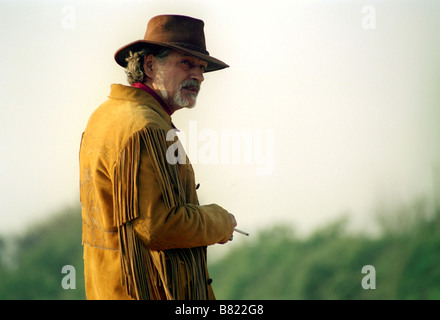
<point>142,86</point>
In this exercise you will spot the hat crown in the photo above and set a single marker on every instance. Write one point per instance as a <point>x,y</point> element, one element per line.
<point>180,30</point>
<point>177,32</point>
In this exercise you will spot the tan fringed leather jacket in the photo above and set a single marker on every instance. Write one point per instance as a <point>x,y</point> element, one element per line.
<point>144,233</point>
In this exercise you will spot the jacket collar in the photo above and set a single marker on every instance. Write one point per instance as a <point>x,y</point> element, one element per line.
<point>119,91</point>
<point>142,86</point>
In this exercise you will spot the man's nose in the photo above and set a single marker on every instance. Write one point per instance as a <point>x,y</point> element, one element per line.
<point>197,74</point>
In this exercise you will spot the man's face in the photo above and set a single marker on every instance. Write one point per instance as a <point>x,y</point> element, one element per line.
<point>177,79</point>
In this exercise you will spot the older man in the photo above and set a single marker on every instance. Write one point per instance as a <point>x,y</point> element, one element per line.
<point>144,232</point>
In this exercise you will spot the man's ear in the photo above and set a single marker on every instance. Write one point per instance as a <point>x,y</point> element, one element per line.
<point>148,66</point>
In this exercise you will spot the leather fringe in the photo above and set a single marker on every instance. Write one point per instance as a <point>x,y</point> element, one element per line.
<point>180,272</point>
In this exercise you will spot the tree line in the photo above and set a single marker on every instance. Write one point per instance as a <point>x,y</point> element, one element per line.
<point>401,261</point>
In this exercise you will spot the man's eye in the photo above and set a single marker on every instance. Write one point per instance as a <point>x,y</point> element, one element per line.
<point>186,62</point>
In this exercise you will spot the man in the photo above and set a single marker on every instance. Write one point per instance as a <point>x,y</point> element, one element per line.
<point>144,232</point>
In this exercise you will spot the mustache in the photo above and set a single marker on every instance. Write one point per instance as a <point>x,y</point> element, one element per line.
<point>191,83</point>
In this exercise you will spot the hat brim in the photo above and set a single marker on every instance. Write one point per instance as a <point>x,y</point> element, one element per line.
<point>120,55</point>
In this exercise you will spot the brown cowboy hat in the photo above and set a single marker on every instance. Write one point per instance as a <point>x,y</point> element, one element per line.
<point>182,33</point>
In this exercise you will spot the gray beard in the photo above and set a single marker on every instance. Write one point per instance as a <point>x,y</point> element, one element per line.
<point>178,99</point>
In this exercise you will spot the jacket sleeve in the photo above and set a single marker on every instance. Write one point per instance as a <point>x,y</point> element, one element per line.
<point>166,220</point>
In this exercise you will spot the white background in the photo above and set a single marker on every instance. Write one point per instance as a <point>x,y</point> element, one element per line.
<point>354,110</point>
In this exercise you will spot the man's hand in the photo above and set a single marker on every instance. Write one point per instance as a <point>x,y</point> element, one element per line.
<point>234,224</point>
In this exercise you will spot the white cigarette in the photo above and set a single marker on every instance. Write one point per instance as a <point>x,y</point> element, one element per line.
<point>241,231</point>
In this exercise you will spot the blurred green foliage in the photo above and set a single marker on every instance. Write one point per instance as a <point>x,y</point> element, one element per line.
<point>328,264</point>
<point>32,263</point>
<point>276,264</point>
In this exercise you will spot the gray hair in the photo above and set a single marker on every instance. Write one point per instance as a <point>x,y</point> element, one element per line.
<point>135,62</point>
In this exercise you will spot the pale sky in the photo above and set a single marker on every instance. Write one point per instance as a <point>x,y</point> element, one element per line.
<point>340,101</point>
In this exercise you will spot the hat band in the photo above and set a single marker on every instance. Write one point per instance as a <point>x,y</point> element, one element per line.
<point>190,47</point>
